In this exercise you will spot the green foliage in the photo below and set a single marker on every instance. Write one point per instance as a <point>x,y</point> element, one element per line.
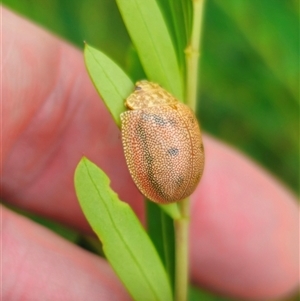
<point>110,80</point>
<point>178,17</point>
<point>114,86</point>
<point>161,231</point>
<point>125,242</point>
<point>150,36</point>
<point>158,57</point>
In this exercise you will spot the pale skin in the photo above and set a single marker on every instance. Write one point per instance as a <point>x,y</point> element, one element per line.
<point>244,235</point>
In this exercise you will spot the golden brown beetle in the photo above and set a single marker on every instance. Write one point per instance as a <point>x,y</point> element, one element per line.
<point>162,144</point>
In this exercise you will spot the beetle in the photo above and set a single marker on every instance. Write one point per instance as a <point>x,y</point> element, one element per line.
<point>162,144</point>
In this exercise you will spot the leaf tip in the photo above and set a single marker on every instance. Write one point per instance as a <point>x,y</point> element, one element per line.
<point>82,163</point>
<point>86,46</point>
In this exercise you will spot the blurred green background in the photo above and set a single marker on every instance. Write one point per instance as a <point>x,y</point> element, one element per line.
<point>249,78</point>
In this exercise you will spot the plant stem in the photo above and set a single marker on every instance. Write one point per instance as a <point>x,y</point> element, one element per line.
<point>181,255</point>
<point>182,224</point>
<point>192,55</point>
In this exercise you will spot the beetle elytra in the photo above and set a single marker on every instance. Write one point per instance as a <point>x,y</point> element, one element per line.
<point>162,144</point>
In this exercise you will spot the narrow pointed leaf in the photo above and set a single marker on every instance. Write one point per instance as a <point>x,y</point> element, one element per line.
<point>111,82</point>
<point>150,36</point>
<point>125,243</point>
<point>114,86</point>
<point>177,15</point>
<point>161,231</point>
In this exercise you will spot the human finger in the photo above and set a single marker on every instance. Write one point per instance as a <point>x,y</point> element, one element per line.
<point>39,265</point>
<point>244,234</point>
<point>52,116</point>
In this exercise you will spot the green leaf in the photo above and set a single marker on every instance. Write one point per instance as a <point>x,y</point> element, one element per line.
<point>125,243</point>
<point>161,231</point>
<point>133,64</point>
<point>178,16</point>
<point>150,36</point>
<point>111,82</point>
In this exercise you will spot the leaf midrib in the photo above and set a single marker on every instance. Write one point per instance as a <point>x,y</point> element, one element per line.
<point>153,44</point>
<point>112,83</point>
<point>120,236</point>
